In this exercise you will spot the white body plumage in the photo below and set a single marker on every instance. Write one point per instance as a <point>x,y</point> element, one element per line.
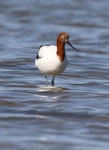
<point>48,62</point>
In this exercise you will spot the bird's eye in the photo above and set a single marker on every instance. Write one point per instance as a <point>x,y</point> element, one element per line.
<point>62,37</point>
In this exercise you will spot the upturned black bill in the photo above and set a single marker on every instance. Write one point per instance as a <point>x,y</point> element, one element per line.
<point>72,46</point>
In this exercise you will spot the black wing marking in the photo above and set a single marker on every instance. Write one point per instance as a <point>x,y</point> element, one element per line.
<point>37,56</point>
<point>40,46</point>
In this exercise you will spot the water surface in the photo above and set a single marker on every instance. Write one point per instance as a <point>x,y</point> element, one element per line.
<point>75,113</point>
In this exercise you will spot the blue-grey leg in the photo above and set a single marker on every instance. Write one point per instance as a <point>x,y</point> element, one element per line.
<point>52,82</point>
<point>46,80</point>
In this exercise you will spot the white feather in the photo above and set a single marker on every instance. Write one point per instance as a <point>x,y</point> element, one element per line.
<point>49,62</point>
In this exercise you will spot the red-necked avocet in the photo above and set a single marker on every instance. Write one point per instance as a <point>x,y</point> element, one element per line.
<point>51,60</point>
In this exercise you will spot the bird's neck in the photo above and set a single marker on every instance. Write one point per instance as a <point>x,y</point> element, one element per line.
<point>61,50</point>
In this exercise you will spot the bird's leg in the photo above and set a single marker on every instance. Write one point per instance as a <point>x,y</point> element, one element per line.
<point>46,80</point>
<point>52,82</point>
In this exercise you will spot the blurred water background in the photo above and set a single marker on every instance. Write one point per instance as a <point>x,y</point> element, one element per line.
<point>73,115</point>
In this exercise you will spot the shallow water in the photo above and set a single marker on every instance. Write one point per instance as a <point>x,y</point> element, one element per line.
<point>75,113</point>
